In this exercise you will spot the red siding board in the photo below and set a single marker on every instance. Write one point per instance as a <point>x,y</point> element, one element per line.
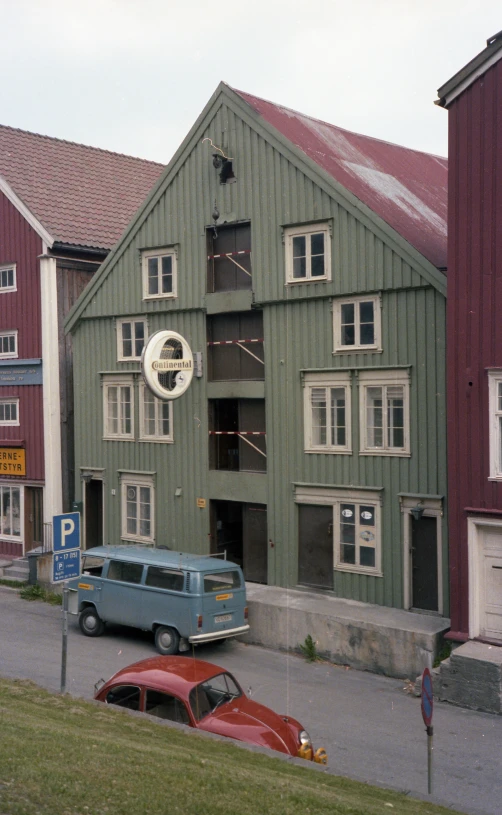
<point>473,319</point>
<point>20,310</point>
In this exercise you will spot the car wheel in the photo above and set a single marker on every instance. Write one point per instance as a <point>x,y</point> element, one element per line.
<point>90,622</point>
<point>166,640</point>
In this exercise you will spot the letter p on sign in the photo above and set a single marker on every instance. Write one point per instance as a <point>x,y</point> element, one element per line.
<point>66,531</point>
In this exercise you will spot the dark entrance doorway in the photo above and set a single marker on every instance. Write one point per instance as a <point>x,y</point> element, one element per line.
<point>315,546</point>
<point>424,564</point>
<point>33,518</point>
<point>93,513</point>
<point>240,530</point>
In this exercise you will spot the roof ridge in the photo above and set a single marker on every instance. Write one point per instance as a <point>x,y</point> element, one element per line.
<point>79,144</point>
<point>337,127</point>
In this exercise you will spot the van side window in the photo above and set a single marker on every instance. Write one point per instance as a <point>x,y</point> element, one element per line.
<point>92,565</point>
<point>125,572</point>
<point>164,578</point>
<point>224,581</point>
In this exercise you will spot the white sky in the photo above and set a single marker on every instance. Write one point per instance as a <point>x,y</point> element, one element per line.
<point>133,75</point>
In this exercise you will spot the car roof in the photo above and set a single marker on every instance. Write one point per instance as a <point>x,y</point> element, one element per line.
<point>170,674</point>
<point>162,557</point>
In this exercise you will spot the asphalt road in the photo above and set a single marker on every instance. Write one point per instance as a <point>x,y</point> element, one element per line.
<point>370,725</point>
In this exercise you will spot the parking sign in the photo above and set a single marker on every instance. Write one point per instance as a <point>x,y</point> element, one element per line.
<point>66,530</point>
<point>66,544</point>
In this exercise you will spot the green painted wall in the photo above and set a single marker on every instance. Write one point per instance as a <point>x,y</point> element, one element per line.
<point>271,191</point>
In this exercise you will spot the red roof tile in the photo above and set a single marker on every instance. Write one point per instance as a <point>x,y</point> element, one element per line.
<point>81,195</point>
<point>406,188</point>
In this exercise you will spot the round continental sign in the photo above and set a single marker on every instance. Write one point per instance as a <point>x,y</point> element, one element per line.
<point>167,364</point>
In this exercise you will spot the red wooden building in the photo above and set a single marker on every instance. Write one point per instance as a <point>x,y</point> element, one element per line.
<point>62,208</point>
<point>473,98</point>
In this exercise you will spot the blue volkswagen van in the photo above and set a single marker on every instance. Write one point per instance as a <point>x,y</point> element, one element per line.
<point>182,598</point>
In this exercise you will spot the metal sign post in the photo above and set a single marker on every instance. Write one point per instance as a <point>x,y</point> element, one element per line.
<point>64,651</point>
<point>65,564</point>
<point>427,707</point>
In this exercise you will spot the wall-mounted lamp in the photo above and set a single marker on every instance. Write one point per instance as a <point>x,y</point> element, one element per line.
<point>417,511</point>
<point>87,476</point>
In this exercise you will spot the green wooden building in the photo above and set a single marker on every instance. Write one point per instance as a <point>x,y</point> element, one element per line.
<point>305,267</point>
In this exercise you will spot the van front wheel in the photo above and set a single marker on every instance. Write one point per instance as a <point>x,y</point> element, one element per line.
<point>90,622</point>
<point>167,640</point>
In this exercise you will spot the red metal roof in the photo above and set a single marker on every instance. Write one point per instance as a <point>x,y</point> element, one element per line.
<point>406,188</point>
<point>81,195</point>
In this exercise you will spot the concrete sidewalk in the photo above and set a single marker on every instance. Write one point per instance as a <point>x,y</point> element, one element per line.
<point>374,638</point>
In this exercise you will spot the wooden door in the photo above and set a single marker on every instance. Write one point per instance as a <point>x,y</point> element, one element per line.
<point>424,564</point>
<point>33,518</point>
<point>254,529</point>
<point>315,546</point>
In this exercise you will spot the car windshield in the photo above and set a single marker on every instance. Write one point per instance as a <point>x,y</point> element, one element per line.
<point>210,694</point>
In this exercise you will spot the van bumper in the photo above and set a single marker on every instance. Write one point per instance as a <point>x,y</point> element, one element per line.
<point>219,635</point>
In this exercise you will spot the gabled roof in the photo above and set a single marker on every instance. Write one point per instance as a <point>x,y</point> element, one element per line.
<point>470,72</point>
<point>404,187</point>
<point>80,195</point>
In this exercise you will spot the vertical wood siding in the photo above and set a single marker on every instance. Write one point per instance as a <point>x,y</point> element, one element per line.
<point>270,192</point>
<point>474,324</point>
<point>20,310</point>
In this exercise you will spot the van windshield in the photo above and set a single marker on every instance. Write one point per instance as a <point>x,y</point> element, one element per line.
<point>92,565</point>
<point>222,581</point>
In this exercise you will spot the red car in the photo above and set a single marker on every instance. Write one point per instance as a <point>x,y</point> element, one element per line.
<point>201,695</point>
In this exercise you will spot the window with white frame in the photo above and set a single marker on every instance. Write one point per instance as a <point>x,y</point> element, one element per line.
<point>8,344</point>
<point>384,412</point>
<point>11,512</point>
<point>495,424</point>
<point>9,411</point>
<point>357,324</point>
<point>8,278</point>
<point>308,253</point>
<point>159,273</point>
<point>357,538</point>
<point>155,417</point>
<point>327,412</point>
<point>118,408</point>
<point>138,510</point>
<point>131,335</point>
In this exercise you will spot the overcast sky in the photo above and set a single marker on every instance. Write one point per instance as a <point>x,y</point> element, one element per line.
<point>133,75</point>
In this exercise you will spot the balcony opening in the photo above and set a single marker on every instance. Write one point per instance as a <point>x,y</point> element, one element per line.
<point>229,258</point>
<point>237,435</point>
<point>235,347</point>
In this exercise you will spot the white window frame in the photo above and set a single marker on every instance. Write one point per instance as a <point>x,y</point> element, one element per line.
<point>340,380</point>
<point>337,324</point>
<point>159,405</point>
<point>6,268</point>
<point>119,382</point>
<point>495,424</point>
<point>384,379</point>
<point>171,252</point>
<point>133,321</point>
<point>306,230</point>
<point>137,481</point>
<point>8,354</point>
<point>16,538</point>
<point>335,497</point>
<point>10,422</point>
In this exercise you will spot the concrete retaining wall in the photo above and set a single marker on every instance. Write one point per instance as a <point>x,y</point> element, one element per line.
<point>387,641</point>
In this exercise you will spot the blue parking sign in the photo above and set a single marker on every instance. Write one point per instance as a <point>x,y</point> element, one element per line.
<point>66,565</point>
<point>66,531</point>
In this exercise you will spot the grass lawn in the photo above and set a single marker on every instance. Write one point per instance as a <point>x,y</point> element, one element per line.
<point>66,756</point>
